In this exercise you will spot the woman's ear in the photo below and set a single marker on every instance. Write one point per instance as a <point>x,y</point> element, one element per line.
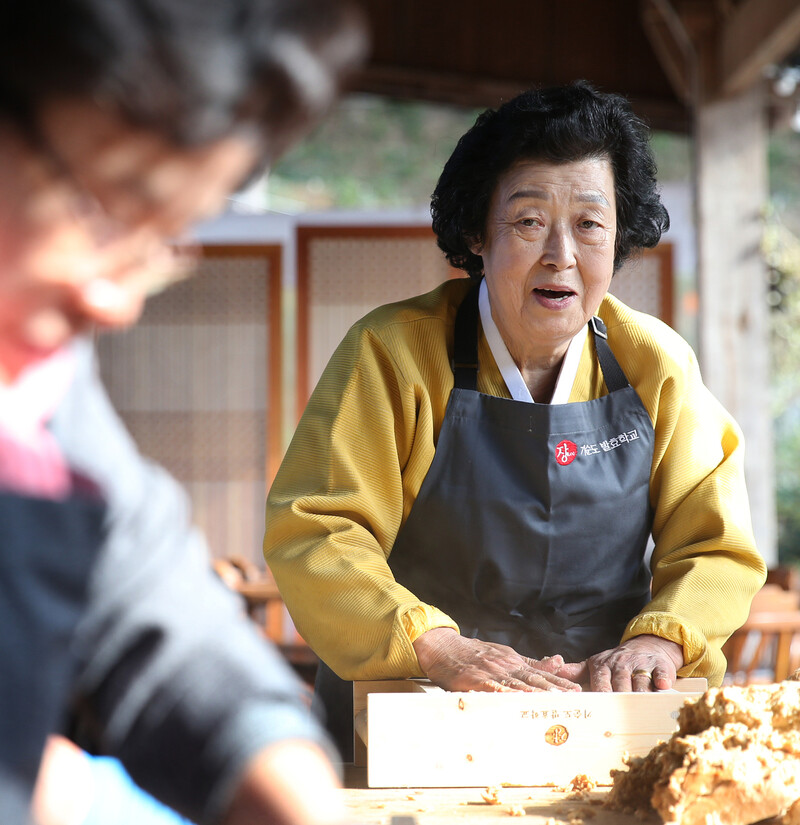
<point>475,246</point>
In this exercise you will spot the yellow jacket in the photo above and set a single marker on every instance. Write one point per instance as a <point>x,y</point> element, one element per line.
<point>367,438</point>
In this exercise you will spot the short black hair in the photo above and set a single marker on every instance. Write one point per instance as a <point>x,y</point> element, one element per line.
<point>560,124</point>
<point>193,70</point>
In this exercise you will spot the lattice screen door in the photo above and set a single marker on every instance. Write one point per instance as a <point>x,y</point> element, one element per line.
<point>198,384</point>
<point>646,283</point>
<point>344,272</point>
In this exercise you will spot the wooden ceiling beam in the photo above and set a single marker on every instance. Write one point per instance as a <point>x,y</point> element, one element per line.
<point>443,87</point>
<point>755,34</point>
<point>672,45</point>
<point>474,92</point>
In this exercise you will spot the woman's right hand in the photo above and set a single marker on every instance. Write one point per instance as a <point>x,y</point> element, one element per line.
<point>456,663</point>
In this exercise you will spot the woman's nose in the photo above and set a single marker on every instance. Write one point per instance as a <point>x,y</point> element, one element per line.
<point>559,248</point>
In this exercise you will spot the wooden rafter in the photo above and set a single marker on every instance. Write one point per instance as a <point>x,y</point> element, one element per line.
<point>755,34</point>
<point>671,43</point>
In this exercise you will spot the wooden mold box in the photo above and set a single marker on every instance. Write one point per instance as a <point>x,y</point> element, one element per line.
<point>410,733</point>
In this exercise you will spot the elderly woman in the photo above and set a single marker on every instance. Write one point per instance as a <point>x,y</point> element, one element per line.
<point>470,492</point>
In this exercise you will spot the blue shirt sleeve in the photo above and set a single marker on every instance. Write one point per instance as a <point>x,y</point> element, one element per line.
<point>118,799</point>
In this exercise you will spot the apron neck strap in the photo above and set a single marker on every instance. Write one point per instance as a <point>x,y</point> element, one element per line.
<point>465,347</point>
<point>465,342</point>
<point>612,372</point>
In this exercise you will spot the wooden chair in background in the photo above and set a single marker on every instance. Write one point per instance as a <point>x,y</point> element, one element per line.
<point>767,647</point>
<point>264,605</point>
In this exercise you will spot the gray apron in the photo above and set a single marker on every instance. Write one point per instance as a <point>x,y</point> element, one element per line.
<point>531,525</point>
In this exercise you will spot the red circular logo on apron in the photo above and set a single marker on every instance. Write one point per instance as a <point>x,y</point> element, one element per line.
<point>566,452</point>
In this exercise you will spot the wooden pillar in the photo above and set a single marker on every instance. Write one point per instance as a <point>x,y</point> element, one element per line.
<point>731,192</point>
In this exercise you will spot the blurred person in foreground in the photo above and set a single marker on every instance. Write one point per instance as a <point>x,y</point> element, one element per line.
<point>121,124</point>
<point>471,489</point>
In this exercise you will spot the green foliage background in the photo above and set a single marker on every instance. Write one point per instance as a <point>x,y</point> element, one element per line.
<point>371,152</point>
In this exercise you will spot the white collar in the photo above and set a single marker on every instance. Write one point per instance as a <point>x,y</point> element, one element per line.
<point>509,370</point>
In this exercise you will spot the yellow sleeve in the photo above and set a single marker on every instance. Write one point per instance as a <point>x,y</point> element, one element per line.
<point>706,567</point>
<point>354,466</point>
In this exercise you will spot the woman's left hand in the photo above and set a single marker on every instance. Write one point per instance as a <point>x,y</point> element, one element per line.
<point>643,663</point>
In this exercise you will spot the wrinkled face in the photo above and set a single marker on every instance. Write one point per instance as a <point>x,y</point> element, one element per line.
<point>548,252</point>
<point>87,218</point>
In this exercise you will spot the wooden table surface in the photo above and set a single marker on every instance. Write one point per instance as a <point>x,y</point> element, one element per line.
<point>467,806</point>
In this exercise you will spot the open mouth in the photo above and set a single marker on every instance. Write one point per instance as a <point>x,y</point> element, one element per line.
<point>554,294</point>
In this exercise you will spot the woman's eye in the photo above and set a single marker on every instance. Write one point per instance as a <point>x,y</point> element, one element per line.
<point>529,222</point>
<point>589,224</point>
